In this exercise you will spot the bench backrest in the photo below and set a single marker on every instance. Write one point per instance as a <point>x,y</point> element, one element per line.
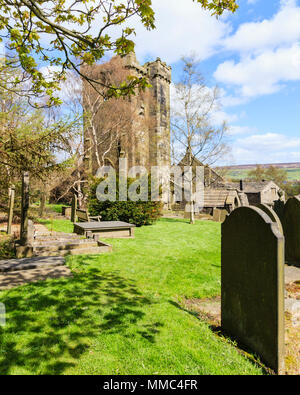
<point>82,215</point>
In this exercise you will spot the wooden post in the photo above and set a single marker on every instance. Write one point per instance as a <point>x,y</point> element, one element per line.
<point>74,208</point>
<point>24,208</point>
<point>11,209</point>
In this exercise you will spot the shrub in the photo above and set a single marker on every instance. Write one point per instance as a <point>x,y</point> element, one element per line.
<point>6,247</point>
<point>139,213</point>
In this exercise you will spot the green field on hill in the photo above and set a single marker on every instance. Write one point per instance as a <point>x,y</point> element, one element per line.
<point>293,174</point>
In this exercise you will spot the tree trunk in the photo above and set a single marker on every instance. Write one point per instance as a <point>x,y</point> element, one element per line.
<point>74,208</point>
<point>11,209</point>
<point>25,208</point>
<point>42,204</point>
<point>192,213</point>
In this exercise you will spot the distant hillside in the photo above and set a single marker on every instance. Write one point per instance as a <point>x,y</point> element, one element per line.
<point>280,165</point>
<point>241,171</point>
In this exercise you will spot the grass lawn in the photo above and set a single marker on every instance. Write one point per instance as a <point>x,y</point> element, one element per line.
<point>57,225</point>
<point>120,313</point>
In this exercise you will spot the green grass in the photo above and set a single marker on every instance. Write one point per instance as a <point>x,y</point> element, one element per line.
<point>57,208</point>
<point>121,314</point>
<point>57,225</point>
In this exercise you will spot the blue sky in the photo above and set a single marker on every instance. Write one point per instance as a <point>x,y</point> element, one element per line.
<point>253,56</point>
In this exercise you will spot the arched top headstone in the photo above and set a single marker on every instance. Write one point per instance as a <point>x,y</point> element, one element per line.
<point>253,283</point>
<point>252,215</point>
<point>271,213</point>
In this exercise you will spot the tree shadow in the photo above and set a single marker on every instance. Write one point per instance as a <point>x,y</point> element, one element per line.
<point>50,324</point>
<point>216,328</point>
<point>174,220</point>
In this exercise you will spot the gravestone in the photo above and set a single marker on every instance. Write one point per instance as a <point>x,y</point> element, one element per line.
<point>291,227</point>
<point>252,303</point>
<point>66,211</point>
<point>272,214</point>
<point>219,215</point>
<point>279,208</point>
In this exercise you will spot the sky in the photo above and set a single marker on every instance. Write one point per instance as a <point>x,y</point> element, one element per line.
<point>254,58</point>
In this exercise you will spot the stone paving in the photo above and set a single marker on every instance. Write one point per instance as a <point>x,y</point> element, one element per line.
<point>16,272</point>
<point>9,265</point>
<point>292,274</point>
<point>20,277</point>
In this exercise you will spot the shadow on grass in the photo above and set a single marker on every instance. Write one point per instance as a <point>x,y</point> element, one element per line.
<point>218,331</point>
<point>174,220</point>
<point>51,324</point>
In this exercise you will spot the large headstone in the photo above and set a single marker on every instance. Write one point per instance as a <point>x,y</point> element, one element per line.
<point>291,227</point>
<point>253,284</point>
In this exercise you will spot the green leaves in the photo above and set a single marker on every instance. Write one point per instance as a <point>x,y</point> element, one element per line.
<point>77,36</point>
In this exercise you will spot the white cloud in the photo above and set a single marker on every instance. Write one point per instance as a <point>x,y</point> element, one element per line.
<point>266,148</point>
<point>263,74</point>
<point>236,130</point>
<point>181,27</point>
<point>270,55</point>
<point>282,29</point>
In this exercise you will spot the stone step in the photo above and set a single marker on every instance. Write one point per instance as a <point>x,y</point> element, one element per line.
<point>54,238</point>
<point>9,265</point>
<point>62,246</point>
<point>77,251</point>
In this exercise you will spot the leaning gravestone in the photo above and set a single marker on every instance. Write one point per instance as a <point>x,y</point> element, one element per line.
<point>291,227</point>
<point>253,284</point>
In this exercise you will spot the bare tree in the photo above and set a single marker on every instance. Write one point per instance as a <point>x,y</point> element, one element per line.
<point>194,133</point>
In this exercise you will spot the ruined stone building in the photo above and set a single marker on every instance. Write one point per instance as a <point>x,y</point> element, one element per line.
<point>140,124</point>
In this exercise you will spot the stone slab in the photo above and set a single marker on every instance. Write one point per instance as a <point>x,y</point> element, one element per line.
<point>17,278</point>
<point>104,225</point>
<point>291,227</point>
<point>106,229</point>
<point>30,263</point>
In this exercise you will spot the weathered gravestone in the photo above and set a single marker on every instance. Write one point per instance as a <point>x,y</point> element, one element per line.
<point>219,215</point>
<point>253,284</point>
<point>272,214</point>
<point>291,227</point>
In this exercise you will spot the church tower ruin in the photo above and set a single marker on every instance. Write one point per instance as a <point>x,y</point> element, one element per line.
<point>145,137</point>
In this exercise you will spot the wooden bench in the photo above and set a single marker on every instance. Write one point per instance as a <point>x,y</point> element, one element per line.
<point>83,216</point>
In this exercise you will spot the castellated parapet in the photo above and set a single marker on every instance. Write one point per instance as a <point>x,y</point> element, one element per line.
<point>146,140</point>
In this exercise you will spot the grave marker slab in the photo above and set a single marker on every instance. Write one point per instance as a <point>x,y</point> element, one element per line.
<point>291,227</point>
<point>253,284</point>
